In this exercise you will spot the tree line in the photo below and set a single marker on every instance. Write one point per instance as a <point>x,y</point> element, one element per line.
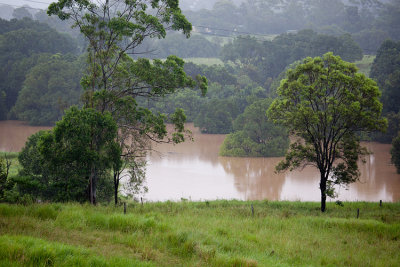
<point>39,72</point>
<point>369,22</point>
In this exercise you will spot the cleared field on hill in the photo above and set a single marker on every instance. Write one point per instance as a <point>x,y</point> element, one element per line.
<point>217,233</point>
<point>365,64</point>
<point>204,60</point>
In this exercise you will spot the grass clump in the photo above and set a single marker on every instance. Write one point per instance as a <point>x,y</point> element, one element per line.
<point>28,251</point>
<point>213,233</point>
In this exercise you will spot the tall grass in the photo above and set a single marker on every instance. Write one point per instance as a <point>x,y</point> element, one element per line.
<point>29,251</point>
<point>216,233</point>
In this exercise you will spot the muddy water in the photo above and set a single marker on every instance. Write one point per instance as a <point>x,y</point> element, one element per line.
<point>13,134</point>
<point>193,170</point>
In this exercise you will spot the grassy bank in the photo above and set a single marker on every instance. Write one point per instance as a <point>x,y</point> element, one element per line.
<point>217,233</point>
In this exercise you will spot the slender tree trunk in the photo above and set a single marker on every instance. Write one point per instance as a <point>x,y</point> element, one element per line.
<point>91,185</point>
<point>93,180</point>
<point>322,186</point>
<point>116,183</point>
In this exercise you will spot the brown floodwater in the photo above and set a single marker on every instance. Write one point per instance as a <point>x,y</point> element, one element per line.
<point>13,134</point>
<point>193,170</point>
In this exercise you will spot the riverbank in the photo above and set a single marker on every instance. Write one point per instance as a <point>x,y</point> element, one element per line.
<point>215,233</point>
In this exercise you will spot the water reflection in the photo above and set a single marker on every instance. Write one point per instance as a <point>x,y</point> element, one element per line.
<point>255,178</point>
<point>193,170</point>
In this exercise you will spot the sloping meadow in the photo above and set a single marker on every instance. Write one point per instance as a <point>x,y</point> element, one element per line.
<point>216,233</point>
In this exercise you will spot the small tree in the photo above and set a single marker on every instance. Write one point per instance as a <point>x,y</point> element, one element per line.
<point>5,165</point>
<point>255,135</point>
<point>79,152</point>
<point>326,103</point>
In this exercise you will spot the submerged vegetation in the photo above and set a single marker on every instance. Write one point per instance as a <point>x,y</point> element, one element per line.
<point>255,135</point>
<point>216,233</point>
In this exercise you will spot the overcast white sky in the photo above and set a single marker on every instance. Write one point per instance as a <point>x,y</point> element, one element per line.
<point>43,4</point>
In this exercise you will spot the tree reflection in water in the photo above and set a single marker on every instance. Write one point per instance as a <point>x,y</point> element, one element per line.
<point>194,169</point>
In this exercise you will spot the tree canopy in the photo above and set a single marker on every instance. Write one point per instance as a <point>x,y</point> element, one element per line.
<point>254,135</point>
<point>325,103</point>
<point>59,163</point>
<point>386,71</point>
<point>265,59</point>
<point>113,81</point>
<point>23,44</point>
<point>48,89</point>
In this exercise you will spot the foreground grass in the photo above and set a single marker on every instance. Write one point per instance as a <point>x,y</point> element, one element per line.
<point>218,233</point>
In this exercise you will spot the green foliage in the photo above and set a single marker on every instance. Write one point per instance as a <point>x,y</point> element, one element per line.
<point>3,177</point>
<point>325,103</point>
<point>386,71</point>
<point>370,39</point>
<point>392,129</point>
<point>48,89</point>
<point>176,44</point>
<point>217,116</point>
<point>74,155</point>
<point>386,62</point>
<point>58,164</point>
<point>262,60</point>
<point>29,251</point>
<point>114,80</point>
<point>370,22</point>
<point>395,152</point>
<point>23,44</point>
<point>34,178</point>
<point>227,89</point>
<point>255,135</point>
<point>389,19</point>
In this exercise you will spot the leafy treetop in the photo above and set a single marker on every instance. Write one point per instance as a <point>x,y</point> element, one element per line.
<point>326,103</point>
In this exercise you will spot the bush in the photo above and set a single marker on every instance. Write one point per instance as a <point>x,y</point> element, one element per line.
<point>255,135</point>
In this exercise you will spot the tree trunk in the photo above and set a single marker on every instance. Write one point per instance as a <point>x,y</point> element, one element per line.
<point>93,182</point>
<point>322,186</point>
<point>91,185</point>
<point>116,183</point>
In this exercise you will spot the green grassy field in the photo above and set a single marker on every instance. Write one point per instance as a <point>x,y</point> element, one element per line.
<point>365,64</point>
<point>205,61</point>
<point>216,233</point>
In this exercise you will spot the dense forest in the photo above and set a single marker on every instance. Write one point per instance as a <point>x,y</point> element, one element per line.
<point>46,68</point>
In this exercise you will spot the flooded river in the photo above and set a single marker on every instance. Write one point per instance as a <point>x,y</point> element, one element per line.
<point>193,170</point>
